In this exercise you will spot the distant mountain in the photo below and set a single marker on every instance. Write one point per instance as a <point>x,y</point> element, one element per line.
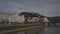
<point>55,19</point>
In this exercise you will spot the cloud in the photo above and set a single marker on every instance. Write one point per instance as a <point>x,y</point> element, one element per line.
<point>45,7</point>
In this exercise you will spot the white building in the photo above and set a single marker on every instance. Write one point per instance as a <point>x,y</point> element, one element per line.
<point>11,18</point>
<point>33,20</point>
<point>17,19</point>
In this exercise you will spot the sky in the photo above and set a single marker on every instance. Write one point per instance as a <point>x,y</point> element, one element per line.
<point>44,7</point>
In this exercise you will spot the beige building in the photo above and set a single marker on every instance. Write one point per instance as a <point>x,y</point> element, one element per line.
<point>46,21</point>
<point>33,20</point>
<point>17,19</point>
<point>11,18</point>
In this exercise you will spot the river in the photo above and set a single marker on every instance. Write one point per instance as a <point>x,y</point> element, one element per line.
<point>46,30</point>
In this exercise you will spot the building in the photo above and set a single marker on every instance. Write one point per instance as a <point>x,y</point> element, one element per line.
<point>33,20</point>
<point>17,19</point>
<point>6,18</point>
<point>31,17</point>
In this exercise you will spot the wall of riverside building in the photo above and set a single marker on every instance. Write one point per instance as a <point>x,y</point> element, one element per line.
<point>17,19</point>
<point>12,18</point>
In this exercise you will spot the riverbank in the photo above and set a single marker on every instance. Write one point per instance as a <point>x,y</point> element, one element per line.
<point>18,27</point>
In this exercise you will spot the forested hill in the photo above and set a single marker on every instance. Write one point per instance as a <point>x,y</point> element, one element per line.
<point>54,19</point>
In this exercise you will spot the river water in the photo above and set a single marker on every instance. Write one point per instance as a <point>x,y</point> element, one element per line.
<point>46,30</point>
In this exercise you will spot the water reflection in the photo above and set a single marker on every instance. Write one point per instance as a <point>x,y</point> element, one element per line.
<point>34,31</point>
<point>39,30</point>
<point>46,29</point>
<point>28,31</point>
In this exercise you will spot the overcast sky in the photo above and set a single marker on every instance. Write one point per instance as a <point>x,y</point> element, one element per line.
<point>44,7</point>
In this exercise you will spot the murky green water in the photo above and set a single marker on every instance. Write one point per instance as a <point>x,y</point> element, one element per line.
<point>46,30</point>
